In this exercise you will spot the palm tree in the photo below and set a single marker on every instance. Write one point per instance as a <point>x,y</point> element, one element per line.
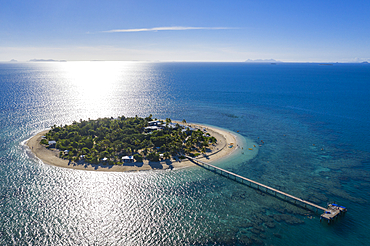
<point>203,150</point>
<point>167,155</point>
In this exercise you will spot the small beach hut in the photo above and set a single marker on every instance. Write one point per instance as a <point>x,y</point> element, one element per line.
<point>128,159</point>
<point>154,123</point>
<point>188,130</point>
<point>52,143</point>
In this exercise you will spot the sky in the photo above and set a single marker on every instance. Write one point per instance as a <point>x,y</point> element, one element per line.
<point>216,30</point>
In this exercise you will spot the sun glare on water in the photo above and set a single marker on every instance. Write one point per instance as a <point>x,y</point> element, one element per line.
<point>96,88</point>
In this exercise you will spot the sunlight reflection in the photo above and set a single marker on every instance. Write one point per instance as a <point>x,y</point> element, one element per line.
<point>96,88</point>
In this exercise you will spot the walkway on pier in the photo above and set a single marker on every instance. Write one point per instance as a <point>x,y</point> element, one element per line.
<point>223,171</point>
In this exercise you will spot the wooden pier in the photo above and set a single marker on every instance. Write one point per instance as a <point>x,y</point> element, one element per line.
<point>330,213</point>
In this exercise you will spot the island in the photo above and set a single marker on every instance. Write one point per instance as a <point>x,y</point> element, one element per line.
<point>130,144</point>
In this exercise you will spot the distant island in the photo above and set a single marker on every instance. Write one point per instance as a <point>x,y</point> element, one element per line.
<point>133,142</point>
<point>46,60</point>
<point>263,61</point>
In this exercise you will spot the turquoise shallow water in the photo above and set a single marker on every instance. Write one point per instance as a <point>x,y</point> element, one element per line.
<point>313,121</point>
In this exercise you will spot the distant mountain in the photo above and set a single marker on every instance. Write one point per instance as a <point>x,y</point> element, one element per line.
<point>263,60</point>
<point>46,60</point>
<point>12,60</point>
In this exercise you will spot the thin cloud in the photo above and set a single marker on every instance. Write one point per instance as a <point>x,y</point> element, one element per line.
<point>173,28</point>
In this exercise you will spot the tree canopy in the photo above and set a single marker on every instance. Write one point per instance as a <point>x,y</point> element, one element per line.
<point>111,139</point>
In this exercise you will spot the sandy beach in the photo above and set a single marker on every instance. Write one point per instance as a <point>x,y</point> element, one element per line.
<point>215,152</point>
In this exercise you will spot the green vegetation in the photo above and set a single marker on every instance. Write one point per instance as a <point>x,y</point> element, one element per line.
<point>44,141</point>
<point>95,140</point>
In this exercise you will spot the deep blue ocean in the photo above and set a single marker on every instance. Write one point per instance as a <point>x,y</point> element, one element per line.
<point>313,120</point>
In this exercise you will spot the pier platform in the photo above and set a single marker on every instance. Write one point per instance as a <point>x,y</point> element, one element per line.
<point>332,212</point>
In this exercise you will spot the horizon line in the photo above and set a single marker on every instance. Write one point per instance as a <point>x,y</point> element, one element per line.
<point>173,28</point>
<point>164,61</point>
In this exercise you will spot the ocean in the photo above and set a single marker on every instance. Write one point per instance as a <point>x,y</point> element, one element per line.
<point>311,120</point>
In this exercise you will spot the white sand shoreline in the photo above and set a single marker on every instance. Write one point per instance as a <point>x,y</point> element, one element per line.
<point>220,151</point>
